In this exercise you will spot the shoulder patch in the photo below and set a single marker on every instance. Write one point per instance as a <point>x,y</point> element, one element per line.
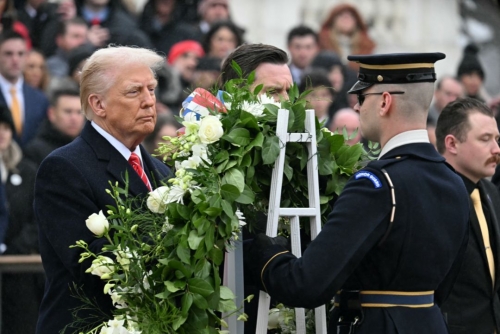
<point>370,176</point>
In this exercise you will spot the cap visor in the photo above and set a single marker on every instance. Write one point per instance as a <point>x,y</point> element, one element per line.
<point>359,86</point>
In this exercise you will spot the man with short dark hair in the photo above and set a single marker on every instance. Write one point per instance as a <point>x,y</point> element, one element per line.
<point>64,123</point>
<point>269,64</point>
<point>467,136</point>
<point>71,34</point>
<point>303,46</point>
<point>448,89</point>
<point>394,241</point>
<point>28,106</point>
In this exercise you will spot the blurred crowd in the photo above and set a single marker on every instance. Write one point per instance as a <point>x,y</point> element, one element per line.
<point>43,46</point>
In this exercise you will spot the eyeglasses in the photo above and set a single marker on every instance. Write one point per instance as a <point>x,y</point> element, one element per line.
<point>361,97</point>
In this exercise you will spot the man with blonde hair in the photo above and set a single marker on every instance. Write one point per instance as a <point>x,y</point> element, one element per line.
<point>118,99</point>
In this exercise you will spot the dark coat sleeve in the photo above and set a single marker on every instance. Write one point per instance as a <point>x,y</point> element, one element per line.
<point>357,223</point>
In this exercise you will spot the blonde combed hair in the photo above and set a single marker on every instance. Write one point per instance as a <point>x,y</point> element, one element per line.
<point>101,69</point>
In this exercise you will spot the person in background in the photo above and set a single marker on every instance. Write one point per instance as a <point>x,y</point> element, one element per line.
<point>28,105</point>
<point>222,38</point>
<point>448,89</point>
<point>321,96</point>
<point>345,32</point>
<point>207,73</point>
<point>471,74</point>
<point>120,27</point>
<point>8,21</point>
<point>387,263</point>
<point>211,11</point>
<point>467,136</point>
<point>64,123</point>
<point>302,44</point>
<point>341,78</point>
<point>182,61</point>
<point>183,58</point>
<point>117,95</point>
<point>163,22</point>
<point>166,125</point>
<point>349,119</point>
<point>35,72</point>
<point>269,63</point>
<point>71,34</point>
<point>21,292</point>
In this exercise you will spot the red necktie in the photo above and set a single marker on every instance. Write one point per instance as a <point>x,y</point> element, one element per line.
<point>95,21</point>
<point>136,165</point>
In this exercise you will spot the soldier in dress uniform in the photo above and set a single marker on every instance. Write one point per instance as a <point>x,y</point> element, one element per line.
<point>394,242</point>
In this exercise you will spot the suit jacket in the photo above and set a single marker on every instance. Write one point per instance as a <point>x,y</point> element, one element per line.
<point>358,248</point>
<point>70,186</point>
<point>473,305</point>
<point>35,111</point>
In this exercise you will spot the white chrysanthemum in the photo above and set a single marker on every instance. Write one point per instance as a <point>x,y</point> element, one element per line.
<point>241,218</point>
<point>175,194</point>
<point>266,99</point>
<point>254,108</point>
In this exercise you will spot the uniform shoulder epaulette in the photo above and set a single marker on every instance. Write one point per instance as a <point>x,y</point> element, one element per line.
<point>383,163</point>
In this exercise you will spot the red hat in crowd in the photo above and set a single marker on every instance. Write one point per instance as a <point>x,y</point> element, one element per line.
<point>178,49</point>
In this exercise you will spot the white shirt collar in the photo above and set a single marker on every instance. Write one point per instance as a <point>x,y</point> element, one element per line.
<point>118,144</point>
<point>407,137</point>
<point>5,84</point>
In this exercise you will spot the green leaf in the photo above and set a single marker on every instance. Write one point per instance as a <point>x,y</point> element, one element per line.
<point>226,306</point>
<point>221,156</point>
<point>200,286</point>
<point>194,240</point>
<point>287,170</point>
<point>197,320</point>
<point>229,193</point>
<point>248,121</point>
<point>258,89</point>
<point>227,208</point>
<point>336,142</point>
<point>209,237</point>
<point>256,142</point>
<point>200,301</point>
<point>186,302</point>
<point>270,150</point>
<point>213,212</point>
<point>247,196</point>
<point>179,320</point>
<point>171,287</point>
<point>202,268</point>
<point>238,137</point>
<point>226,293</point>
<point>251,78</point>
<point>236,68</point>
<point>183,254</point>
<point>216,255</point>
<point>235,177</point>
<point>163,295</point>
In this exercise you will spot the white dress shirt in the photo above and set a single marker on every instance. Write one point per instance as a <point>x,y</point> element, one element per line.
<point>407,137</point>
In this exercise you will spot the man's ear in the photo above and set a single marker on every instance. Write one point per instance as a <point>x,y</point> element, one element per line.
<point>451,144</point>
<point>385,104</point>
<point>51,114</point>
<point>97,104</point>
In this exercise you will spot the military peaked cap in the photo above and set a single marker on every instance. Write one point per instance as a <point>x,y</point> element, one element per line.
<point>394,68</point>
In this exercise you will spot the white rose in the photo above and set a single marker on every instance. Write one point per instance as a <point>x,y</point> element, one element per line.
<point>210,129</point>
<point>156,199</point>
<point>101,265</point>
<point>97,223</point>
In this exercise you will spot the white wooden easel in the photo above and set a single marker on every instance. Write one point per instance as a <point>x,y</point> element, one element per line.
<point>234,281</point>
